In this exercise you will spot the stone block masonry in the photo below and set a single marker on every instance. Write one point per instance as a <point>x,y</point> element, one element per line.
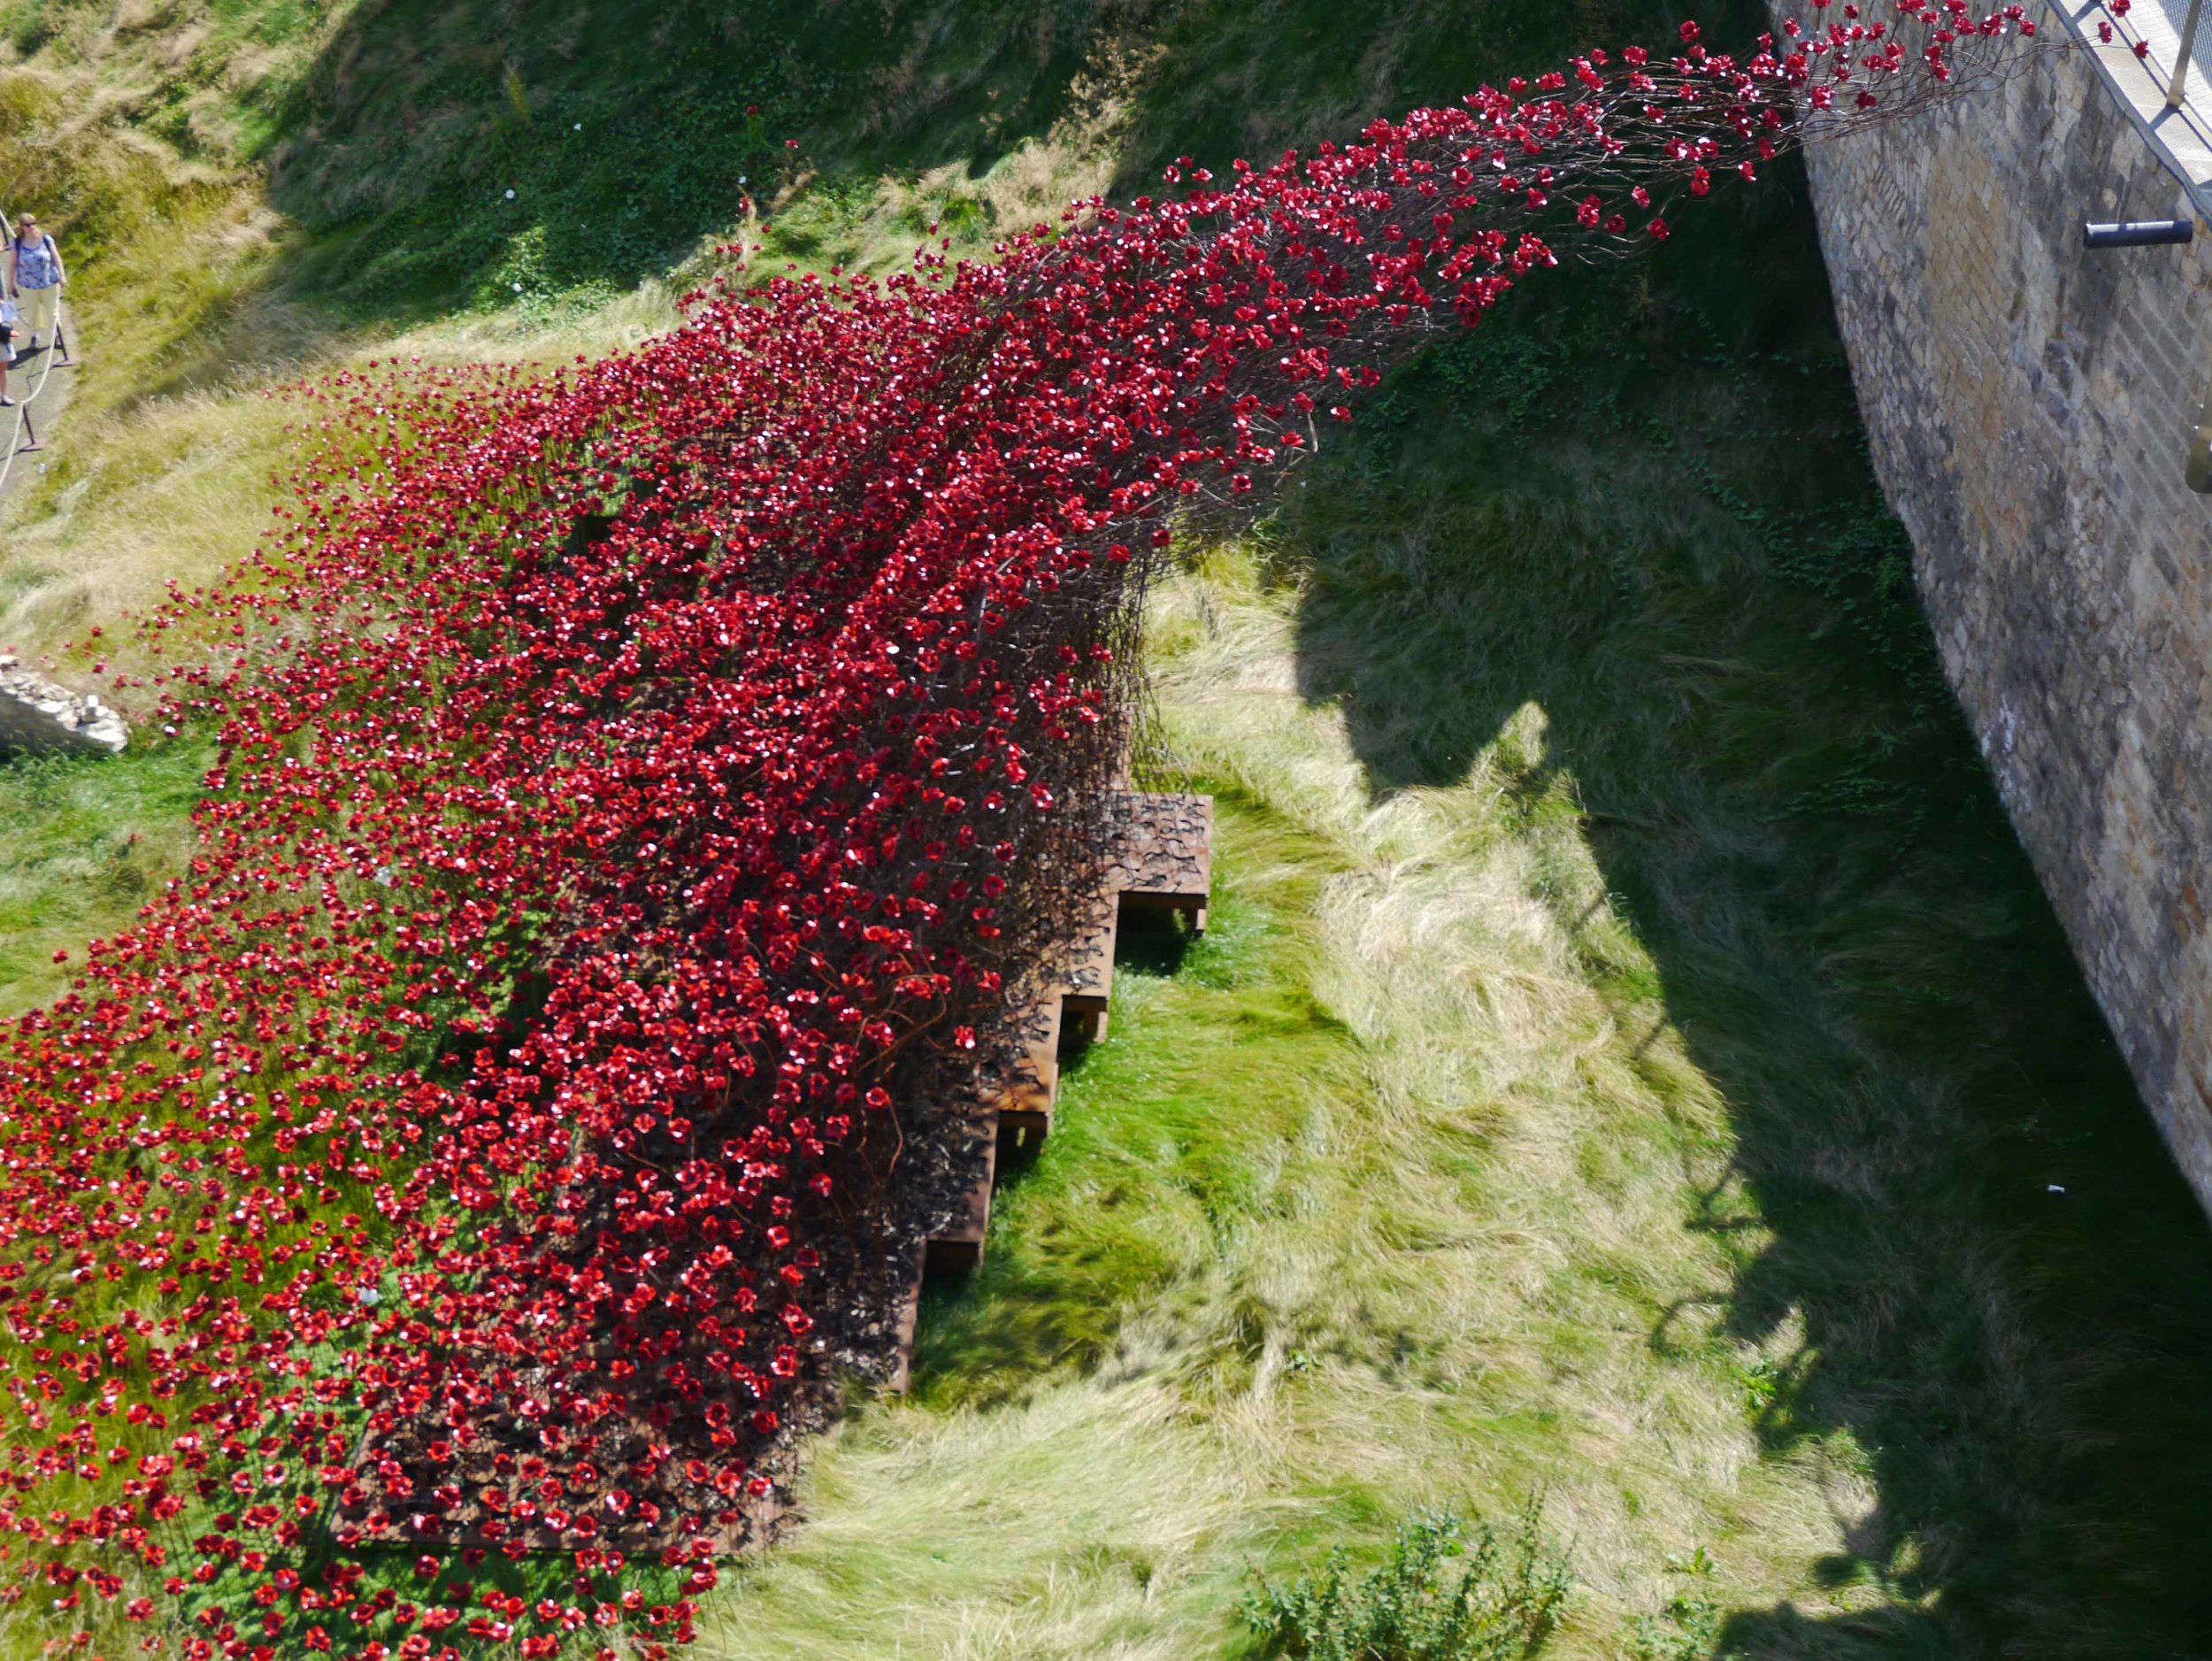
<point>2029,406</point>
<point>37,716</point>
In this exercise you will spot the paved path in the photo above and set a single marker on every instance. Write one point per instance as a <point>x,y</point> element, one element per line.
<point>40,395</point>
<point>40,389</point>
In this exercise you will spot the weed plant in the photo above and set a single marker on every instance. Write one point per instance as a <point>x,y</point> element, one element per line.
<point>1443,1594</point>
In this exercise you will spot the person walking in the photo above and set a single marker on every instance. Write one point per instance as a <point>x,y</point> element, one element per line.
<point>35,276</point>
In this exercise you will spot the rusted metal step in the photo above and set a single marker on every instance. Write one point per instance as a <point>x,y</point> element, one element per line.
<point>1023,1095</point>
<point>1012,1110</point>
<point>1089,990</point>
<point>908,1316</point>
<point>958,1248</point>
<point>1159,859</point>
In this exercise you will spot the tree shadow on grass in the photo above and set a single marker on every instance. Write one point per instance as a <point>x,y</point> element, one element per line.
<point>1669,554</point>
<point>439,151</point>
<point>442,154</point>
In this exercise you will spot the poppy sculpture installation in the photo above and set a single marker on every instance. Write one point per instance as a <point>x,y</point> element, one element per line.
<point>642,792</point>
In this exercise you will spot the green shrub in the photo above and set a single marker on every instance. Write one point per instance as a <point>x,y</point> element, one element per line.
<point>1503,1605</point>
<point>1690,1625</point>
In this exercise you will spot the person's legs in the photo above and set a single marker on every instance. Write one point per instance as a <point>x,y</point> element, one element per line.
<point>41,310</point>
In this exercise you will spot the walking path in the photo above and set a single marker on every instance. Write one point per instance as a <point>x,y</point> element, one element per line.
<point>39,398</point>
<point>37,713</point>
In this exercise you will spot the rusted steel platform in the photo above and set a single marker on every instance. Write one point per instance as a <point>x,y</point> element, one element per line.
<point>1163,857</point>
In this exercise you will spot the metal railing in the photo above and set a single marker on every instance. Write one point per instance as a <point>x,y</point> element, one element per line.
<point>2181,58</point>
<point>2136,52</point>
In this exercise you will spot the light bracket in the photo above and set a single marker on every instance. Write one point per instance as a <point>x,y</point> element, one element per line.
<point>2137,233</point>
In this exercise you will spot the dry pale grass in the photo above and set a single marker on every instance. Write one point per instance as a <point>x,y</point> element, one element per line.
<point>175,490</point>
<point>177,487</point>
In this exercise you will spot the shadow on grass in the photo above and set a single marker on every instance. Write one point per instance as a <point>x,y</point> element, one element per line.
<point>442,155</point>
<point>1668,553</point>
<point>441,151</point>
<point>1152,942</point>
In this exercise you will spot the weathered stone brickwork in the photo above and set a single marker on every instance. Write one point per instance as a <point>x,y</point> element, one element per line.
<point>37,716</point>
<point>2029,406</point>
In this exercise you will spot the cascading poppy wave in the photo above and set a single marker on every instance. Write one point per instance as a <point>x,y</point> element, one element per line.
<point>643,791</point>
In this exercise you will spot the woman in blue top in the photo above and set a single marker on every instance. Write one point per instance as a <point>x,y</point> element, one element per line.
<point>36,278</point>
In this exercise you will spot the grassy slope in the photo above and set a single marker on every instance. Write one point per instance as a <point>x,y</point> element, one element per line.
<point>1631,1055</point>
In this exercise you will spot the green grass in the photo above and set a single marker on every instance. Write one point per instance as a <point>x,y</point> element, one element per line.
<point>85,841</point>
<point>1631,1055</point>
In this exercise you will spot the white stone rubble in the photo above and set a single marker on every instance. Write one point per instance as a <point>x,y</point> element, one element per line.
<point>38,716</point>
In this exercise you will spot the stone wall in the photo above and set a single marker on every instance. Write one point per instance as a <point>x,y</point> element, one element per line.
<point>2029,406</point>
<point>37,716</point>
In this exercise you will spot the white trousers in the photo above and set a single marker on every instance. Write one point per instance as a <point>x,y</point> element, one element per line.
<point>40,312</point>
